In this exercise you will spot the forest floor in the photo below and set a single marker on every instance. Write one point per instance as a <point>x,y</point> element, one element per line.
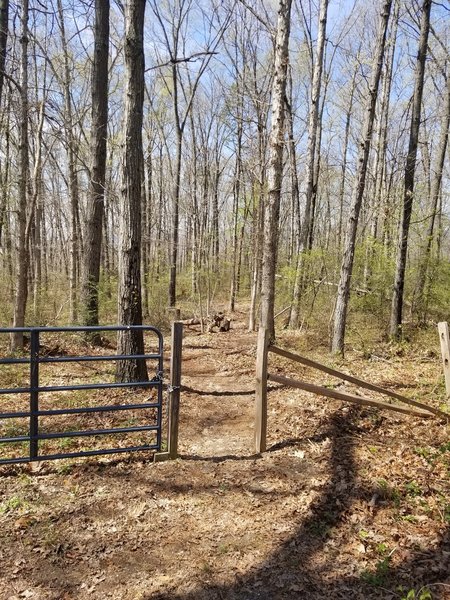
<point>346,503</point>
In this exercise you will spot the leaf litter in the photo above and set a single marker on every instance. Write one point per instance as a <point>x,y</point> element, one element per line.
<point>347,502</point>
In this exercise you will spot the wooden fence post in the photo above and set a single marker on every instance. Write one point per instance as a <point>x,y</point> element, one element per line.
<point>261,391</point>
<point>174,389</point>
<point>445,351</point>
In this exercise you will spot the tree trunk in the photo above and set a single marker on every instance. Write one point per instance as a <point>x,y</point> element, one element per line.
<point>72,172</point>
<point>420,300</point>
<point>313,125</point>
<point>410,169</point>
<point>348,117</point>
<point>22,254</point>
<point>175,217</point>
<point>129,291</point>
<point>275,168</point>
<point>236,195</point>
<point>99,131</point>
<point>381,147</point>
<point>4,177</point>
<point>4,17</point>
<point>343,293</point>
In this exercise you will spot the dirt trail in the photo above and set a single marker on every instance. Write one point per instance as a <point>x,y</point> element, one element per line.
<point>218,388</point>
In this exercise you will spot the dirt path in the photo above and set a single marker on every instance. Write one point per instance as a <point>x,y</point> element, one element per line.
<point>346,504</point>
<point>218,392</point>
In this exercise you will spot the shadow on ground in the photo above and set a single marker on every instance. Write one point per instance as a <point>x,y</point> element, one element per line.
<point>292,573</point>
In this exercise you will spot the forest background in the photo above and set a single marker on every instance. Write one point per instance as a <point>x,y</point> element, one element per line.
<point>176,213</point>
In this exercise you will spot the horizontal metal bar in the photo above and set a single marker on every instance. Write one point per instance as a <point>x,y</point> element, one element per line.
<point>15,390</point>
<point>80,328</point>
<point>92,358</point>
<point>94,409</point>
<point>57,359</point>
<point>81,410</point>
<point>97,452</point>
<point>97,386</point>
<point>14,361</point>
<point>15,415</point>
<point>11,440</point>
<point>84,386</point>
<point>13,461</point>
<point>93,432</point>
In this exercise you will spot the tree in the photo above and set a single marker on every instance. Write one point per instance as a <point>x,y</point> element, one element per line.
<point>129,290</point>
<point>313,129</point>
<point>420,303</point>
<point>182,93</point>
<point>94,225</point>
<point>72,175</point>
<point>343,294</point>
<point>410,169</point>
<point>275,170</point>
<point>23,192</point>
<point>4,17</point>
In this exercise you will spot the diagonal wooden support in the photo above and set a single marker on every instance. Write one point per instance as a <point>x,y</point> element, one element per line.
<point>322,391</point>
<point>359,382</point>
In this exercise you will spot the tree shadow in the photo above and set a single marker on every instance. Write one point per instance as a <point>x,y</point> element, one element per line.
<point>293,571</point>
<point>223,393</point>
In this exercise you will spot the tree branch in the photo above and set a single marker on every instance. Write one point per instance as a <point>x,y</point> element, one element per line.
<point>175,61</point>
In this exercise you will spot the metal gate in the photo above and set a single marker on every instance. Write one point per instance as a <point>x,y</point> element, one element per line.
<point>35,417</point>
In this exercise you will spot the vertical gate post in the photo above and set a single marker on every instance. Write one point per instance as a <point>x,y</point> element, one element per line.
<point>444,338</point>
<point>174,388</point>
<point>34,393</point>
<point>261,390</point>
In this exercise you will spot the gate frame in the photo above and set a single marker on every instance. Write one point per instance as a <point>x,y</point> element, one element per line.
<point>34,389</point>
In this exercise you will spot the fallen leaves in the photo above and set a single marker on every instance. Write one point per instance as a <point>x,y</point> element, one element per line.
<point>338,491</point>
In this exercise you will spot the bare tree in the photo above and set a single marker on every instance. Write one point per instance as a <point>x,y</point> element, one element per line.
<point>410,169</point>
<point>4,25</point>
<point>129,291</point>
<point>182,94</point>
<point>94,225</point>
<point>313,129</point>
<point>72,175</point>
<point>22,253</point>
<point>343,295</point>
<point>275,172</point>
<point>419,295</point>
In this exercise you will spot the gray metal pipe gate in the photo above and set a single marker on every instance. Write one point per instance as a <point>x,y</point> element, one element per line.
<point>34,413</point>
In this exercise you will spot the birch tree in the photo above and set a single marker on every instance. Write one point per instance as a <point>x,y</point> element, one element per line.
<point>275,170</point>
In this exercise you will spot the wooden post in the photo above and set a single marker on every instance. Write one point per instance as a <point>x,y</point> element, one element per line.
<point>445,351</point>
<point>174,388</point>
<point>261,390</point>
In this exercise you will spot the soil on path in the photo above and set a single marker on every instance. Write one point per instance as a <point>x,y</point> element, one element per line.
<point>347,503</point>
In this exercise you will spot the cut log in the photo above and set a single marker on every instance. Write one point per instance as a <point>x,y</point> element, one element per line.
<point>226,324</point>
